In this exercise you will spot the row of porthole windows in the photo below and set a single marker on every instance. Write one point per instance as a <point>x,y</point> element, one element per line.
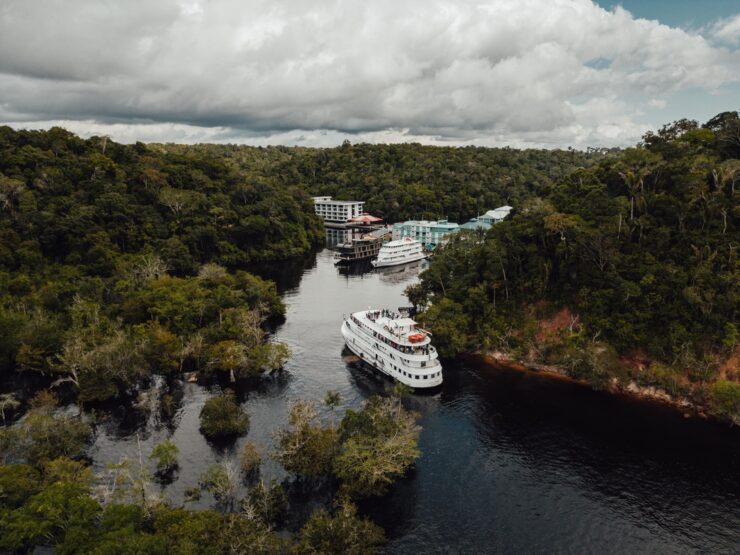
<point>424,377</point>
<point>406,374</point>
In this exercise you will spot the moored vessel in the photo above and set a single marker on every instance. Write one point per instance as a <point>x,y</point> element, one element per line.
<point>394,345</point>
<point>362,248</point>
<point>398,252</point>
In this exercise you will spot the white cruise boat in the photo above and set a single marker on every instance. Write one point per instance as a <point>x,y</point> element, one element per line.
<point>394,345</point>
<point>400,251</point>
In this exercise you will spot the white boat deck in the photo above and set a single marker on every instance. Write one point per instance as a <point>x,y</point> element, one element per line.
<point>380,339</point>
<point>395,330</point>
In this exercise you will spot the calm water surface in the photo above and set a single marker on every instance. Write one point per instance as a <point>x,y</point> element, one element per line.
<point>511,463</point>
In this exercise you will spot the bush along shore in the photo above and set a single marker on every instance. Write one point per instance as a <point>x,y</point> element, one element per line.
<point>51,497</point>
<point>123,266</point>
<point>637,381</point>
<point>625,276</point>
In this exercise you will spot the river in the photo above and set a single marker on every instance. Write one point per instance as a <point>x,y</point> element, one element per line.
<point>511,462</point>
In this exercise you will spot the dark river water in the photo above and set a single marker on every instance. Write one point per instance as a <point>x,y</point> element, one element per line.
<point>511,462</point>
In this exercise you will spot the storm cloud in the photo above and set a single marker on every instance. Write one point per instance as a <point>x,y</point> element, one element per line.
<point>519,72</point>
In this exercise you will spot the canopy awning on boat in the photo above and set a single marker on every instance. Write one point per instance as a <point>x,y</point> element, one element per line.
<point>365,219</point>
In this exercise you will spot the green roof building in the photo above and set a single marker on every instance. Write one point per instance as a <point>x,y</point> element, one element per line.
<point>428,233</point>
<point>432,233</point>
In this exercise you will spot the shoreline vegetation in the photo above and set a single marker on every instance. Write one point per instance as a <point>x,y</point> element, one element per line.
<point>124,265</point>
<point>632,390</point>
<point>625,275</point>
<point>50,496</point>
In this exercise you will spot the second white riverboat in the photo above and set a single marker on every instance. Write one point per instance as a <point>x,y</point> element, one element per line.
<point>394,345</point>
<point>398,252</point>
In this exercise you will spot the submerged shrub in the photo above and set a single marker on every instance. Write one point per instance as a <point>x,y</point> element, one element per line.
<point>165,455</point>
<point>249,458</point>
<point>222,416</point>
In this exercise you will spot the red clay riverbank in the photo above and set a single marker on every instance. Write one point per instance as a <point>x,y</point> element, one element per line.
<point>632,390</point>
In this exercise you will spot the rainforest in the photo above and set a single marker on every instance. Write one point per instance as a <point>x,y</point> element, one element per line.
<point>127,266</point>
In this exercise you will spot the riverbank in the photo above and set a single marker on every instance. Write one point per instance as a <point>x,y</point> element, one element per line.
<point>688,407</point>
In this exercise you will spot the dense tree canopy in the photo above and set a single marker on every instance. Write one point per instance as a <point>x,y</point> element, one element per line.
<point>119,262</point>
<point>637,253</point>
<point>411,181</point>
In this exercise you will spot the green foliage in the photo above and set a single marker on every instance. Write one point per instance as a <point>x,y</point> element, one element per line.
<point>42,436</point>
<point>449,322</point>
<point>332,399</point>
<point>269,357</point>
<point>221,416</point>
<point>594,362</point>
<point>405,181</point>
<point>306,448</point>
<point>201,203</point>
<point>732,335</point>
<point>60,515</point>
<point>67,470</point>
<point>123,261</point>
<point>726,399</point>
<point>341,533</point>
<point>123,530</point>
<point>266,504</point>
<point>190,531</point>
<point>368,452</point>
<point>662,376</point>
<point>641,245</point>
<point>18,482</point>
<point>249,458</point>
<point>378,446</point>
<point>220,481</point>
<point>61,508</point>
<point>163,349</point>
<point>165,455</point>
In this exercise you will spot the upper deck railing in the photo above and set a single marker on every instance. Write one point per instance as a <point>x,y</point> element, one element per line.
<point>398,341</point>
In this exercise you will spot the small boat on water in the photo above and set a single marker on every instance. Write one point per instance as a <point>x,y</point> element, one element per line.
<point>393,344</point>
<point>398,252</point>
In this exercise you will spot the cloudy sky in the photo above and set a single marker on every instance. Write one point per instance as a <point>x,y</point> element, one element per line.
<point>552,73</point>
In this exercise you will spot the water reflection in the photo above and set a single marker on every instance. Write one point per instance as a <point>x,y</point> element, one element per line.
<point>511,462</point>
<point>286,274</point>
<point>400,274</point>
<point>355,269</point>
<point>336,237</point>
<point>556,466</point>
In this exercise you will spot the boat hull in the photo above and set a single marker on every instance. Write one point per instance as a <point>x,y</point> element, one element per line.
<point>362,346</point>
<point>387,263</point>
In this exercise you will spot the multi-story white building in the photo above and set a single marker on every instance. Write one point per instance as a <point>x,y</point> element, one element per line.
<point>337,211</point>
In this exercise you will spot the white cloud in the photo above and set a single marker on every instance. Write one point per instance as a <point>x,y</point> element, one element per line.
<point>517,72</point>
<point>726,30</point>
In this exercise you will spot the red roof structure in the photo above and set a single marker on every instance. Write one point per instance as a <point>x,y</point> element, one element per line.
<point>365,219</point>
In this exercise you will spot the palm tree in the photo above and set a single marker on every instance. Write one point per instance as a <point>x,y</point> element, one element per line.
<point>634,179</point>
